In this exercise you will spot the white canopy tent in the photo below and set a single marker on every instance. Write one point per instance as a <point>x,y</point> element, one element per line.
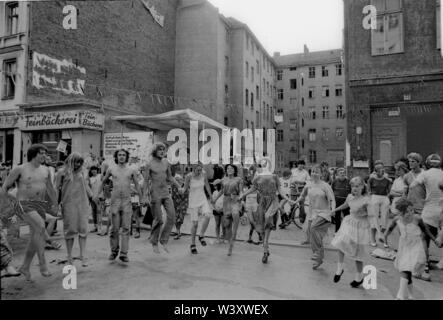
<point>171,120</point>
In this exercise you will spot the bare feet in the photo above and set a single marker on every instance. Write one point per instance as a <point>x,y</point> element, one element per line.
<point>165,248</point>
<point>231,246</point>
<point>26,273</point>
<point>11,272</point>
<point>155,248</point>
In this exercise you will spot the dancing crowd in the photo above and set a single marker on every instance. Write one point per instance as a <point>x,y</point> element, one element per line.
<point>364,211</point>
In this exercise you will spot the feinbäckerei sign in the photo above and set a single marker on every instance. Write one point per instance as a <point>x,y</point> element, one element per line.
<point>62,120</point>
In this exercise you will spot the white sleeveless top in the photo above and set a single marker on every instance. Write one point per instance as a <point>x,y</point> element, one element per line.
<point>197,195</point>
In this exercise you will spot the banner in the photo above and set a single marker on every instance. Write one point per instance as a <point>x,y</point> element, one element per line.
<point>138,144</point>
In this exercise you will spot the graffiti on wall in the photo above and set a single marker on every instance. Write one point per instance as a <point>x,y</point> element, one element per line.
<point>61,75</point>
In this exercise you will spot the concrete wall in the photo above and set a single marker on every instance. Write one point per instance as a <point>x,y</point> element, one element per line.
<point>197,63</point>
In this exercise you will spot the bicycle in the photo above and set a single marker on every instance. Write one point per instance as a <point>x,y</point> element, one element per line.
<point>294,217</point>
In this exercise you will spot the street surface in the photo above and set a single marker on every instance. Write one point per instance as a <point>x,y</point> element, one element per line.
<point>211,274</point>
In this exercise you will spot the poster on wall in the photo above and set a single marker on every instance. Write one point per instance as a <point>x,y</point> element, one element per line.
<point>138,144</point>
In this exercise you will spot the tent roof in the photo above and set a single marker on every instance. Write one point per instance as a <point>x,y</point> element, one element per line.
<point>172,119</point>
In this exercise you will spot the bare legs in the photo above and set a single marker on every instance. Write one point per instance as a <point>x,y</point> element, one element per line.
<point>36,244</point>
<point>235,223</point>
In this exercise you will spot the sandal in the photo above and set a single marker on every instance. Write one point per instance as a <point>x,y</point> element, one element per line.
<point>193,249</point>
<point>53,245</point>
<point>202,241</point>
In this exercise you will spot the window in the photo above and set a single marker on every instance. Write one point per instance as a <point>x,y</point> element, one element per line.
<point>280,94</point>
<point>252,74</point>
<point>339,112</point>
<point>280,111</point>
<point>302,102</point>
<point>338,69</point>
<point>312,113</point>
<point>312,156</point>
<point>388,37</point>
<point>267,88</point>
<point>280,160</point>
<point>11,18</point>
<point>252,125</point>
<point>338,91</point>
<point>302,123</point>
<point>252,99</point>
<point>292,68</point>
<point>257,92</point>
<point>439,24</point>
<point>279,74</point>
<point>247,70</point>
<point>325,92</point>
<point>293,101</point>
<point>247,42</point>
<point>246,96</point>
<point>226,65</point>
<point>302,82</point>
<point>226,121</point>
<point>303,143</point>
<point>325,134</point>
<point>311,72</point>
<point>293,83</point>
<point>252,47</point>
<point>311,93</point>
<point>257,117</point>
<point>226,92</point>
<point>280,135</point>
<point>312,135</point>
<point>339,133</point>
<point>258,66</point>
<point>324,71</point>
<point>9,78</point>
<point>247,124</point>
<point>325,112</point>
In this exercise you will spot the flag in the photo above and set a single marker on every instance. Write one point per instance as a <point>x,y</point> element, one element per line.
<point>157,17</point>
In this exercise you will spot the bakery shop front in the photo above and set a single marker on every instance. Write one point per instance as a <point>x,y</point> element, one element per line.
<point>63,131</point>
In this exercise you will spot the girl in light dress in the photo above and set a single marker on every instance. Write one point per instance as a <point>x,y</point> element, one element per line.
<point>354,233</point>
<point>411,255</point>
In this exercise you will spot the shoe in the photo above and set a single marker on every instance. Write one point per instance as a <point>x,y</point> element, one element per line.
<point>231,246</point>
<point>202,241</point>
<point>249,241</point>
<point>265,257</point>
<point>337,277</point>
<point>94,230</point>
<point>112,256</point>
<point>356,284</point>
<point>425,276</point>
<point>373,244</point>
<point>386,246</point>
<point>137,235</point>
<point>193,249</point>
<point>124,258</point>
<point>84,262</point>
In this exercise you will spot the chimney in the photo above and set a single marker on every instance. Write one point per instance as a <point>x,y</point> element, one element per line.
<point>305,49</point>
<point>276,54</point>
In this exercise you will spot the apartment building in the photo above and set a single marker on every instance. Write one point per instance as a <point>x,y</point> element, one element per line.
<point>311,105</point>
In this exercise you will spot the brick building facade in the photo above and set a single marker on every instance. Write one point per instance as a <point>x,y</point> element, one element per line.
<point>394,81</point>
<point>113,63</point>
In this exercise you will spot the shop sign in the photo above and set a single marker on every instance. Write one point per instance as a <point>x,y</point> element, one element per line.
<point>8,121</point>
<point>61,120</point>
<point>92,120</point>
<point>138,144</point>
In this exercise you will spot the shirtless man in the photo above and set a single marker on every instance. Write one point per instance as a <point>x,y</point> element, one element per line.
<point>34,185</point>
<point>157,176</point>
<point>121,207</point>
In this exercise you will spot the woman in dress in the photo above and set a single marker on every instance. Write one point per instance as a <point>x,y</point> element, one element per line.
<point>75,196</point>
<point>354,233</point>
<point>267,185</point>
<point>398,186</point>
<point>180,205</point>
<point>411,255</point>
<point>196,182</point>
<point>232,185</point>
